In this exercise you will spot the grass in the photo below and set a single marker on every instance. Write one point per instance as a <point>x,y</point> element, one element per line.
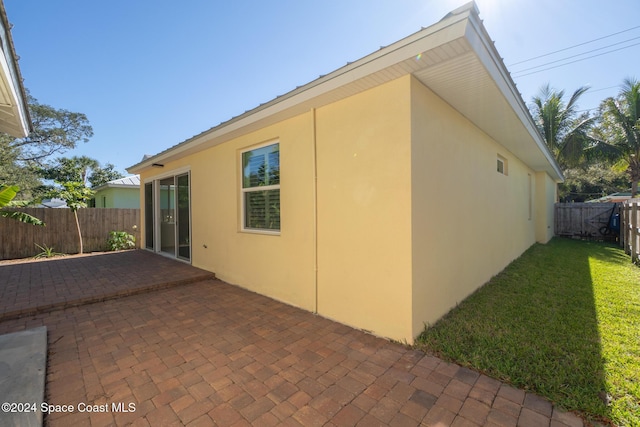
<point>562,321</point>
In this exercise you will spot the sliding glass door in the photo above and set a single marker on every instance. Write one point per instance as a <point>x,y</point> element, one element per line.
<point>167,216</point>
<point>149,214</point>
<point>182,218</point>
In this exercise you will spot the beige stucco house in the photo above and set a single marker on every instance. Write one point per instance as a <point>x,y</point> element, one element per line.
<point>379,195</point>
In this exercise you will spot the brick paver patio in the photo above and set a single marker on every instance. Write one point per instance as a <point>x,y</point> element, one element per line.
<point>49,284</point>
<point>209,353</point>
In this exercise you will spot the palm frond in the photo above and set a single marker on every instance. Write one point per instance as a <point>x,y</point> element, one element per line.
<point>601,150</point>
<point>621,165</point>
<point>19,203</point>
<point>7,194</point>
<point>572,149</point>
<point>584,125</point>
<point>617,111</point>
<point>631,93</point>
<point>6,199</point>
<point>572,105</point>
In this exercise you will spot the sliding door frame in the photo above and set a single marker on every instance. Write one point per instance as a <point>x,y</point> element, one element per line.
<point>156,214</point>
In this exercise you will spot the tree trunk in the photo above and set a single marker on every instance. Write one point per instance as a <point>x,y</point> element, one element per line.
<point>634,188</point>
<point>75,213</point>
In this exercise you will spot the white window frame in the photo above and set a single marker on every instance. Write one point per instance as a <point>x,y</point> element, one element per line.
<point>505,165</point>
<point>243,191</point>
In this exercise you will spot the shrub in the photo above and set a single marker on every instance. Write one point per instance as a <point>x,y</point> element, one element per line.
<point>120,240</point>
<point>47,252</point>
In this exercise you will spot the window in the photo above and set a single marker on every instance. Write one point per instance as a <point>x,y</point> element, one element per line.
<point>530,194</point>
<point>261,188</point>
<point>502,165</point>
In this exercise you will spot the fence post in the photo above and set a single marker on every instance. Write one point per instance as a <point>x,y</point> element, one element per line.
<point>626,226</point>
<point>634,231</point>
<point>622,225</point>
<point>629,230</point>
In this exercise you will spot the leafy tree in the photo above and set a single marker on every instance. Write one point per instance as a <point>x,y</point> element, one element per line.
<point>619,130</point>
<point>76,194</point>
<point>7,194</point>
<point>13,172</point>
<point>80,169</point>
<point>590,182</point>
<point>103,175</point>
<point>54,131</point>
<point>74,169</point>
<point>564,130</point>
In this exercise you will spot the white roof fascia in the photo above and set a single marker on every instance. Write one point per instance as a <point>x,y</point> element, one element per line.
<point>105,186</point>
<point>451,27</point>
<point>18,123</point>
<point>132,181</point>
<point>461,24</point>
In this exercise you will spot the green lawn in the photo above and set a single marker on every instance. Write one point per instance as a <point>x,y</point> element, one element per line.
<point>562,321</point>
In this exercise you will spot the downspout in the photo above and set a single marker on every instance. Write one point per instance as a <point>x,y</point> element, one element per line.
<point>315,205</point>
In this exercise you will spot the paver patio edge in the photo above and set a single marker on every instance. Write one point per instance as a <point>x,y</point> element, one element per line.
<point>48,308</point>
<point>31,288</point>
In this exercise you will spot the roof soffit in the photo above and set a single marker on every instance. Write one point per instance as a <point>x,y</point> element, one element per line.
<point>15,118</point>
<point>477,84</point>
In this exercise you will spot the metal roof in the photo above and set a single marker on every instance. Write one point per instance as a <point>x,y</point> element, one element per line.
<point>455,58</point>
<point>132,181</point>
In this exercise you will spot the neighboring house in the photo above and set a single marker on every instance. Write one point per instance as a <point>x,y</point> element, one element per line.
<point>119,193</point>
<point>379,195</point>
<point>613,198</point>
<point>52,203</point>
<point>14,112</point>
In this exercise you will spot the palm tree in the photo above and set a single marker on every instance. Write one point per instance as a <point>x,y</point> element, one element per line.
<point>564,131</point>
<point>620,130</point>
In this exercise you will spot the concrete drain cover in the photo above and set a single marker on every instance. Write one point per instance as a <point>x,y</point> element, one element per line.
<point>23,362</point>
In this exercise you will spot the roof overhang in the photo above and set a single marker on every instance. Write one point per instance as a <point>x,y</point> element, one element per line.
<point>14,112</point>
<point>455,58</point>
<point>107,185</point>
<point>130,182</point>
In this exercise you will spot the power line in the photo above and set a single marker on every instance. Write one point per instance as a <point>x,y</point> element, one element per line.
<point>579,54</point>
<point>574,46</point>
<point>604,88</point>
<point>577,60</point>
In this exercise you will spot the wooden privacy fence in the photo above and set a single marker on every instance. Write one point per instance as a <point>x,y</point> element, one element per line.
<point>584,220</point>
<point>17,240</point>
<point>630,228</point>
